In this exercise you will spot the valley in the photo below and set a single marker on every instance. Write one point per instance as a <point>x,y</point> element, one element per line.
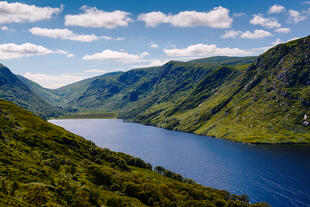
<point>224,97</point>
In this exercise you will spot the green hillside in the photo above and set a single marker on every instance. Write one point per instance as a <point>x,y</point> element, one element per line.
<point>45,93</point>
<point>266,103</point>
<point>44,165</point>
<point>247,99</point>
<point>14,90</point>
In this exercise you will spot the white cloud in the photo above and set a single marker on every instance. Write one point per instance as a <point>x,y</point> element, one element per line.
<point>12,50</point>
<point>144,54</point>
<point>265,22</point>
<point>231,34</point>
<point>283,30</point>
<point>67,34</point>
<point>277,41</point>
<point>204,50</point>
<point>116,56</point>
<point>93,17</point>
<point>153,45</point>
<point>295,16</point>
<point>258,33</point>
<point>292,39</point>
<point>94,71</point>
<point>4,28</point>
<point>275,9</point>
<point>259,50</point>
<point>306,2</point>
<point>152,63</point>
<point>63,52</point>
<point>54,81</point>
<point>19,12</point>
<point>216,18</point>
<point>7,29</point>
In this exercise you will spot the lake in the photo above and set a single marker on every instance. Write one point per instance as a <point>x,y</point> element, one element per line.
<point>277,174</point>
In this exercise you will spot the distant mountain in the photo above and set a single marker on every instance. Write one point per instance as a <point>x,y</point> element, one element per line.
<point>14,90</point>
<point>45,93</point>
<point>261,99</point>
<point>45,165</point>
<point>119,90</point>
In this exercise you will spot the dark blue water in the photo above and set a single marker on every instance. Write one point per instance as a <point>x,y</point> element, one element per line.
<point>277,174</point>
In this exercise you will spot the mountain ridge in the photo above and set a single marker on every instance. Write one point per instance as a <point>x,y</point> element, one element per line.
<point>213,96</point>
<point>14,90</point>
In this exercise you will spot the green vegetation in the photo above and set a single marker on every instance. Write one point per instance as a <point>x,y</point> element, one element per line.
<point>45,165</point>
<point>14,90</point>
<point>265,103</point>
<point>90,115</point>
<point>261,99</point>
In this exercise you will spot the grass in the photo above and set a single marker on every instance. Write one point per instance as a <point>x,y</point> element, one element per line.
<point>104,115</point>
<point>44,165</point>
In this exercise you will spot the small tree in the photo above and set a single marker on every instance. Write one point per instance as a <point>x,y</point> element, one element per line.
<point>159,169</point>
<point>3,189</point>
<point>14,187</point>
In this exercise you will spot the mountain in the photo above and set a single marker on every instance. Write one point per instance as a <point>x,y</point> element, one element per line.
<point>119,90</point>
<point>261,99</point>
<point>45,165</point>
<point>224,60</point>
<point>14,90</point>
<point>266,103</point>
<point>44,93</point>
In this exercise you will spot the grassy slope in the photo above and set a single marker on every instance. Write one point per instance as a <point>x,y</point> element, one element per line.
<point>214,96</point>
<point>44,165</point>
<point>45,93</point>
<point>265,103</point>
<point>12,89</point>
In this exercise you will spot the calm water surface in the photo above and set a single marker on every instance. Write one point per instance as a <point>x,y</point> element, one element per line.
<point>277,174</point>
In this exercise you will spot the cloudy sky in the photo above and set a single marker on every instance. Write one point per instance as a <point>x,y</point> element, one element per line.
<point>56,42</point>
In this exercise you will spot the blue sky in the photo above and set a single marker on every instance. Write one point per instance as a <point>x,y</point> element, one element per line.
<point>59,42</point>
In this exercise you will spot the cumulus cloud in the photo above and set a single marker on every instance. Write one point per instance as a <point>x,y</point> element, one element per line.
<point>231,34</point>
<point>216,18</point>
<point>277,41</point>
<point>275,9</point>
<point>295,16</point>
<point>259,19</point>
<point>54,81</point>
<point>67,34</point>
<point>258,33</point>
<point>204,50</point>
<point>292,39</point>
<point>12,50</point>
<point>20,12</point>
<point>93,17</point>
<point>153,45</point>
<point>152,63</point>
<point>7,29</point>
<point>4,28</point>
<point>94,71</point>
<point>120,56</point>
<point>283,30</point>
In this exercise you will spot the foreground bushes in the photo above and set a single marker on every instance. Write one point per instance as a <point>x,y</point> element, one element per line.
<point>44,165</point>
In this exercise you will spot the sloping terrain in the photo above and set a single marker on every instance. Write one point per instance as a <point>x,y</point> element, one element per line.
<point>266,103</point>
<point>226,97</point>
<point>14,90</point>
<point>44,165</point>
